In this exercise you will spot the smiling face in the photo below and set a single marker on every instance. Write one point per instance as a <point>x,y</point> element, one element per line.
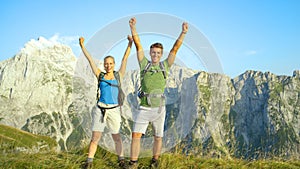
<point>109,64</point>
<point>156,52</point>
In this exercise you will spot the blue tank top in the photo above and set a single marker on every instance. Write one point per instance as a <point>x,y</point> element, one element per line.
<point>108,94</point>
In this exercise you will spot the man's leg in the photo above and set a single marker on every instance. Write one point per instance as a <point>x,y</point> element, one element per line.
<point>140,125</point>
<point>157,147</point>
<point>135,146</point>
<point>158,128</point>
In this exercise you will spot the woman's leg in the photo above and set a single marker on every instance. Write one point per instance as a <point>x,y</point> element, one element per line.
<point>118,144</point>
<point>96,135</point>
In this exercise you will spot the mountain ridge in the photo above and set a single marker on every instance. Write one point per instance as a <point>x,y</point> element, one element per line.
<point>46,90</point>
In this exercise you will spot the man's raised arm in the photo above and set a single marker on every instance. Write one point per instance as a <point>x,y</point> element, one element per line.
<point>136,40</point>
<point>177,44</point>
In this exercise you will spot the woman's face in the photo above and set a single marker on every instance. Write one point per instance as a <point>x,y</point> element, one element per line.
<point>109,65</point>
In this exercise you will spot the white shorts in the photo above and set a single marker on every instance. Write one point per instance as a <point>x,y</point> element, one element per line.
<point>153,115</point>
<point>112,119</point>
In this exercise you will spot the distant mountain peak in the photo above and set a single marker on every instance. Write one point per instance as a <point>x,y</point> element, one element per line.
<point>40,43</point>
<point>47,49</point>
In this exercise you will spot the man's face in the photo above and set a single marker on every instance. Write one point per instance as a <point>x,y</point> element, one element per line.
<point>109,65</point>
<point>156,54</point>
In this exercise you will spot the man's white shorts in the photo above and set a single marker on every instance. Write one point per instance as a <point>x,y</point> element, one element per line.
<point>149,114</point>
<point>112,119</point>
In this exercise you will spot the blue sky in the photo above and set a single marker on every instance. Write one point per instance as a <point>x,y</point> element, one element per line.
<point>262,35</point>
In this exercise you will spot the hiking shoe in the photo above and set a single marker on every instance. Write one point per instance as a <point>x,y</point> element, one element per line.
<point>154,163</point>
<point>122,163</point>
<point>133,165</point>
<point>87,165</point>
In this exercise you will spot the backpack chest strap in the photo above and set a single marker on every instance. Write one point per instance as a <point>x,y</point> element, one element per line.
<point>151,95</point>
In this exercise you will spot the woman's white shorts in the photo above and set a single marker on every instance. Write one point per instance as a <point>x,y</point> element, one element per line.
<point>112,119</point>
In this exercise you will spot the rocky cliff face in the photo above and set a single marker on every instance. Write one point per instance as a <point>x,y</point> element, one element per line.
<point>266,113</point>
<point>255,115</point>
<point>45,90</point>
<point>36,89</point>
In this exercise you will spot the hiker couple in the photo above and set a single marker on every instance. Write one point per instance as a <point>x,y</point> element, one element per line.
<point>152,108</point>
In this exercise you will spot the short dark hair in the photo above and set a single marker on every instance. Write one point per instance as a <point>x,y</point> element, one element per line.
<point>157,45</point>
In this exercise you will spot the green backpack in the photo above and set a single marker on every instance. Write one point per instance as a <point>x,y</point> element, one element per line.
<point>146,69</point>
<point>161,66</point>
<point>121,95</point>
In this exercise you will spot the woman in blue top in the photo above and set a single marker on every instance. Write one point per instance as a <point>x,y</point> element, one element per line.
<point>108,99</point>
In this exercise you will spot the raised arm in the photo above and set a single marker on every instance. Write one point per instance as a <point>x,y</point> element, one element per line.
<point>95,69</point>
<point>177,44</point>
<point>136,40</point>
<point>125,57</point>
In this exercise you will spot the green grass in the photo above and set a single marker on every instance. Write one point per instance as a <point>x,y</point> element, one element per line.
<point>14,140</point>
<point>104,159</point>
<point>10,138</point>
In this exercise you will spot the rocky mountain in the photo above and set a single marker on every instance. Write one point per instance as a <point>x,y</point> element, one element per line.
<point>46,90</point>
<point>255,115</point>
<point>36,89</point>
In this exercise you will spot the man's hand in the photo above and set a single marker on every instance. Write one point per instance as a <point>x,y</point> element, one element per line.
<point>185,27</point>
<point>132,22</point>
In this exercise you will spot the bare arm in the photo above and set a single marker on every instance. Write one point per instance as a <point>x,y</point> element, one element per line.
<point>136,39</point>
<point>125,57</point>
<point>178,43</point>
<point>95,69</point>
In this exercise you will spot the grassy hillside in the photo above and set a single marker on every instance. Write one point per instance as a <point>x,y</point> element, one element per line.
<point>104,159</point>
<point>11,138</point>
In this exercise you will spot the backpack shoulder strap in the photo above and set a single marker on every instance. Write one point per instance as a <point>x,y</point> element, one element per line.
<point>117,76</point>
<point>101,75</point>
<point>162,67</point>
<point>146,69</point>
